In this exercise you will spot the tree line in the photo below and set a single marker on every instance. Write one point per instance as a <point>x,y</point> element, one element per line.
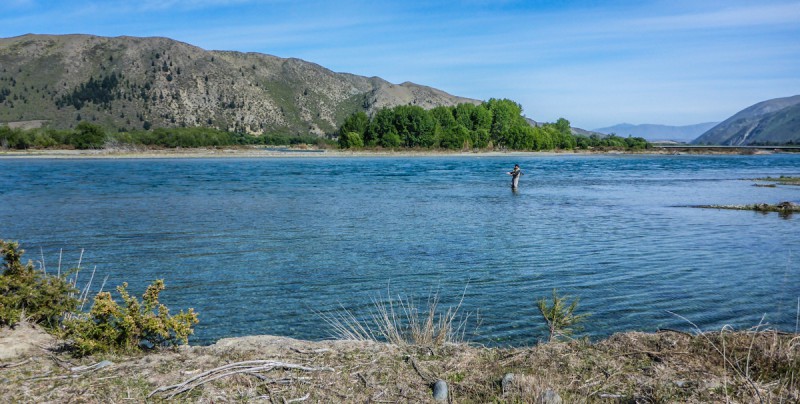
<point>494,124</point>
<point>497,123</point>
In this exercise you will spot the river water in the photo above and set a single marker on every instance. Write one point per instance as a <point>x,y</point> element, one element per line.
<point>263,246</point>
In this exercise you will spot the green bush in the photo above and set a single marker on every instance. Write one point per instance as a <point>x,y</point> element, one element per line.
<point>26,293</point>
<point>135,325</point>
<point>88,136</point>
<point>350,140</point>
<point>560,318</point>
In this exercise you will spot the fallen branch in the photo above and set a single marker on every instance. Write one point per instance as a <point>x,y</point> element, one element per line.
<point>247,367</point>
<point>295,400</point>
<point>13,365</point>
<point>426,378</point>
<point>315,351</point>
<point>658,354</point>
<point>89,368</point>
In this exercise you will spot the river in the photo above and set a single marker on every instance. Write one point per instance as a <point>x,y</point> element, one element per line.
<point>264,246</point>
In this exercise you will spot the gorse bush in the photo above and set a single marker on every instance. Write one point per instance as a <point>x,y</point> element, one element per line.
<point>29,294</point>
<point>111,327</point>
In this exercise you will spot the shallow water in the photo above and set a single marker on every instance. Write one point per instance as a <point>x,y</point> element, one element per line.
<point>260,246</point>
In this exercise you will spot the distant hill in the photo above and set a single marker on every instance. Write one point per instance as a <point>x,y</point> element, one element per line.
<point>775,121</point>
<point>654,132</point>
<point>133,83</point>
<point>584,132</point>
<point>575,131</point>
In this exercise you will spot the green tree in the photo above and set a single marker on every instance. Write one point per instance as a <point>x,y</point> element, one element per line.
<point>88,136</point>
<point>562,126</point>
<point>507,123</point>
<point>444,117</point>
<point>416,126</point>
<point>481,117</point>
<point>381,125</point>
<point>636,143</point>
<point>357,122</point>
<point>457,137</point>
<point>463,114</point>
<point>545,137</point>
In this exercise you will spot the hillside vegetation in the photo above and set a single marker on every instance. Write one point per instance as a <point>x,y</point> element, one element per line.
<point>493,124</point>
<point>127,84</point>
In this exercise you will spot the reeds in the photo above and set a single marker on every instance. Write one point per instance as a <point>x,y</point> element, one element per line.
<point>71,277</point>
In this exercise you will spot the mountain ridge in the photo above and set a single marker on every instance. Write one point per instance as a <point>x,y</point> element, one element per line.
<point>130,83</point>
<point>775,121</point>
<point>656,132</point>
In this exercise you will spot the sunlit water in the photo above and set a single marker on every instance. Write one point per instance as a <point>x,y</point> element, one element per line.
<point>262,246</point>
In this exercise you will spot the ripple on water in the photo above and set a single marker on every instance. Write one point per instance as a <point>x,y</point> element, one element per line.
<point>260,246</point>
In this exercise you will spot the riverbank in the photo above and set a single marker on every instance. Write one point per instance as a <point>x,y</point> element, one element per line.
<point>295,152</point>
<point>667,366</point>
<point>267,152</point>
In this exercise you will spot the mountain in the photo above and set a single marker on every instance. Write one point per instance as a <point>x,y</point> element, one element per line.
<point>587,133</point>
<point>773,121</point>
<point>654,132</point>
<point>575,131</point>
<point>133,83</point>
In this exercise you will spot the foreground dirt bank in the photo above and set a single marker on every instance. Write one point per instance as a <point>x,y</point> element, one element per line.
<point>631,367</point>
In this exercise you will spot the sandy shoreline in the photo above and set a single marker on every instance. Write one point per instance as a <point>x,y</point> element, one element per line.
<point>251,153</point>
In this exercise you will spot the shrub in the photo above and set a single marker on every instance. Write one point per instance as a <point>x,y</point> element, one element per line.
<point>31,294</point>
<point>110,327</point>
<point>88,136</point>
<point>350,140</point>
<point>561,319</point>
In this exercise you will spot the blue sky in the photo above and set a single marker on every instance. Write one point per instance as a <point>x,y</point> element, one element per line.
<point>596,63</point>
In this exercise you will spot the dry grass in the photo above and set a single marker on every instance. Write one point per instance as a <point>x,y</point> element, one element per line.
<point>403,322</point>
<point>754,366</point>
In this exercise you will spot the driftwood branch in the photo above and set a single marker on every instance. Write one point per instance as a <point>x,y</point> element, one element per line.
<point>13,365</point>
<point>247,367</point>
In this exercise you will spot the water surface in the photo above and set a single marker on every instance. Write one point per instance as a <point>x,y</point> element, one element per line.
<point>258,246</point>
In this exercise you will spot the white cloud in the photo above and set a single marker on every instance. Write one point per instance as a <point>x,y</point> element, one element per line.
<point>731,17</point>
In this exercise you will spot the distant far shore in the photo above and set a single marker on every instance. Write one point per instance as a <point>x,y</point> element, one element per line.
<point>287,152</point>
<point>264,152</point>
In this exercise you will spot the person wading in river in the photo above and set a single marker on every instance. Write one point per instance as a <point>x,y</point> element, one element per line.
<point>515,174</point>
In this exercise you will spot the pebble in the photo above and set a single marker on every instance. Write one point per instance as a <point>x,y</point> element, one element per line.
<point>440,390</point>
<point>507,380</point>
<point>550,396</point>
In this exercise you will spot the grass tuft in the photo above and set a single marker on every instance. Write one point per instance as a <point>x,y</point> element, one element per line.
<point>403,322</point>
